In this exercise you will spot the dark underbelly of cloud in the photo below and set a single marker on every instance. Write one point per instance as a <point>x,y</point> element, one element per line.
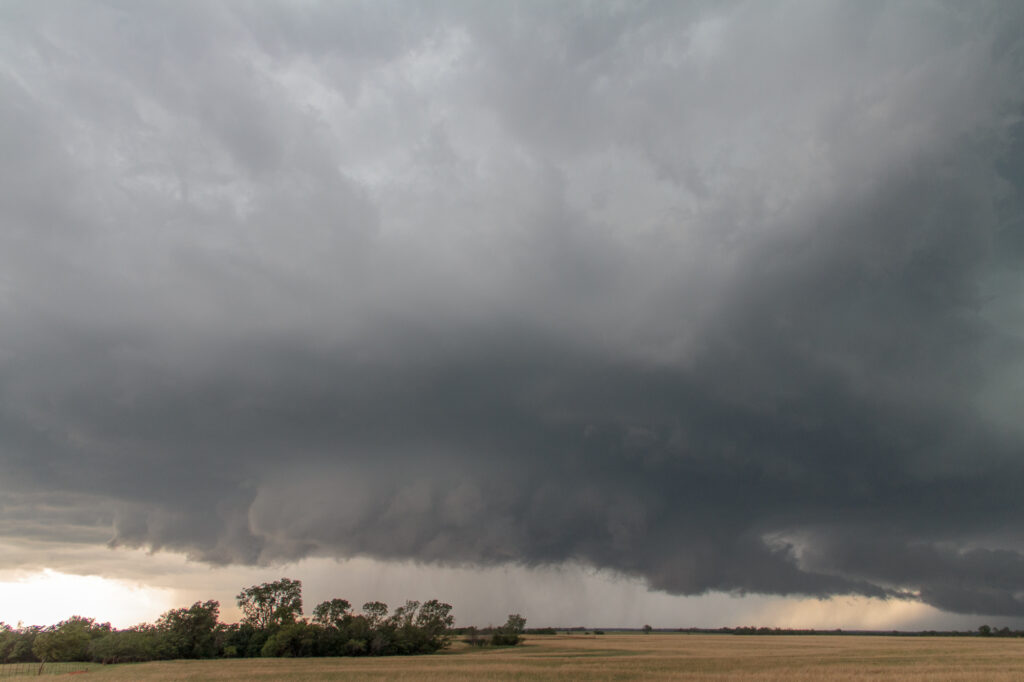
<point>798,376</point>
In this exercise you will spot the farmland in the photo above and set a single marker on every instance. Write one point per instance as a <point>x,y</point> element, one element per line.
<point>626,656</point>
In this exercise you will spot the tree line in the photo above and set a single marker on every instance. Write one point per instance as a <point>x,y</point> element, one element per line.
<point>272,625</point>
<point>983,631</point>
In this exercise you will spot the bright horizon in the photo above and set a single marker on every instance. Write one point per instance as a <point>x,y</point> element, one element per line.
<point>48,597</point>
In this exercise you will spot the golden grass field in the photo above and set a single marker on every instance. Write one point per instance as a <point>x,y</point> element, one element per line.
<point>637,656</point>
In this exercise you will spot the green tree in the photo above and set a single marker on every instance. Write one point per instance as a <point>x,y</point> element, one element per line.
<point>333,613</point>
<point>404,615</point>
<point>18,644</point>
<point>269,604</point>
<point>435,622</point>
<point>375,612</point>
<point>510,633</point>
<point>242,639</point>
<point>68,640</point>
<point>133,645</point>
<point>8,637</point>
<point>515,623</point>
<point>358,633</point>
<point>189,633</point>
<point>291,640</point>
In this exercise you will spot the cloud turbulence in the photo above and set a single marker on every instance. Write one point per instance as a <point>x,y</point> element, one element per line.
<point>724,296</point>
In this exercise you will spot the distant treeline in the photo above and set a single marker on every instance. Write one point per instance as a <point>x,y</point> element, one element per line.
<point>983,631</point>
<point>272,625</point>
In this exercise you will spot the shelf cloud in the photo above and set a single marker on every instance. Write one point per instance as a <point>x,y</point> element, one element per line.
<point>724,296</point>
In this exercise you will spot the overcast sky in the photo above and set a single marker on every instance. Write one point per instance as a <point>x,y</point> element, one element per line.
<point>715,298</point>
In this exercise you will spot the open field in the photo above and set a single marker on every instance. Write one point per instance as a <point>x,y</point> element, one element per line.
<point>630,656</point>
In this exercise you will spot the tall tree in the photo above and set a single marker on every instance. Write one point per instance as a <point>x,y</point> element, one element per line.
<point>515,623</point>
<point>274,603</point>
<point>68,640</point>
<point>189,632</point>
<point>375,613</point>
<point>435,620</point>
<point>404,615</point>
<point>333,613</point>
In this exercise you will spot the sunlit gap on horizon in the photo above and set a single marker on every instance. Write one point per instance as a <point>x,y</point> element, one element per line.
<point>46,597</point>
<point>480,596</point>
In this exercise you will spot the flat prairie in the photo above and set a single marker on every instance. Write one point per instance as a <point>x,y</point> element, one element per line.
<point>636,656</point>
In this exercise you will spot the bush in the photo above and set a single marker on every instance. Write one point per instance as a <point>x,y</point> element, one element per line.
<point>509,633</point>
<point>500,638</point>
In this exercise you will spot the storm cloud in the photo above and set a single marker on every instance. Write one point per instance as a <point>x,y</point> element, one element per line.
<point>726,296</point>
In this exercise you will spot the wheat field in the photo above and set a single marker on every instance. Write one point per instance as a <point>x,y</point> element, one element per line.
<point>625,656</point>
<point>637,656</point>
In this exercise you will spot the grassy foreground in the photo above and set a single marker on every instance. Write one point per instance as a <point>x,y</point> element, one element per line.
<point>632,656</point>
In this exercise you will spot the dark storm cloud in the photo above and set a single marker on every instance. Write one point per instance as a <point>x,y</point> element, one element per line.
<point>723,297</point>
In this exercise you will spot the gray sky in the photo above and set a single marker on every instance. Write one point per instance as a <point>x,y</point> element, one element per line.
<point>718,298</point>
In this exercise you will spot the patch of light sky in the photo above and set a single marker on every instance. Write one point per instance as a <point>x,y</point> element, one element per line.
<point>560,596</point>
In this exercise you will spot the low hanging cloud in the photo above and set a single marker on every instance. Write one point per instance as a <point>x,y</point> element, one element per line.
<point>722,297</point>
